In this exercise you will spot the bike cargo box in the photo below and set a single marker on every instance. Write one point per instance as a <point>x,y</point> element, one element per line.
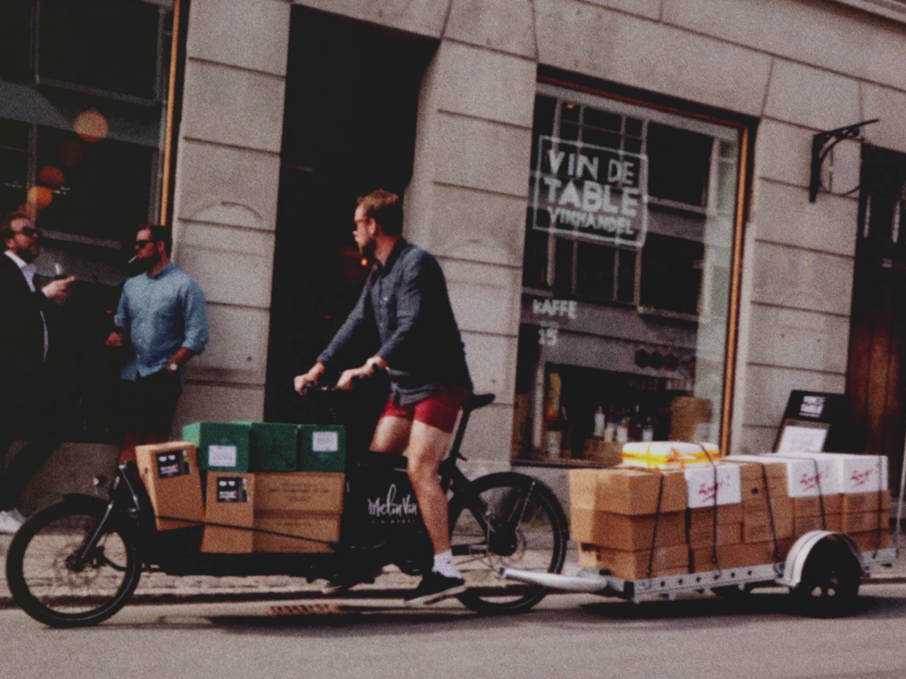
<point>299,492</point>
<point>296,532</point>
<point>379,502</point>
<point>230,500</point>
<point>170,474</point>
<point>273,446</point>
<point>222,446</point>
<point>322,448</point>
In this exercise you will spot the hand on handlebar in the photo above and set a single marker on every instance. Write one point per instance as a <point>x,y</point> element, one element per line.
<point>371,366</point>
<point>348,378</point>
<point>309,379</point>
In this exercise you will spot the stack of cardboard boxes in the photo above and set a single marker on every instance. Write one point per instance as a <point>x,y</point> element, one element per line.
<point>736,511</point>
<point>256,486</point>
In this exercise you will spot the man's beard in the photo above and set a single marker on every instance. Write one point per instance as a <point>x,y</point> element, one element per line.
<point>147,263</point>
<point>27,255</point>
<point>367,250</point>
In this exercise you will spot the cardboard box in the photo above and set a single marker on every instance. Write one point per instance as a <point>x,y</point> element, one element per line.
<point>753,472</point>
<point>756,511</point>
<point>732,556</point>
<point>230,499</point>
<point>870,541</point>
<point>703,518</point>
<point>300,492</point>
<point>273,446</point>
<point>687,413</point>
<point>322,448</point>
<point>855,503</point>
<point>604,452</point>
<point>804,524</point>
<point>668,454</point>
<point>866,521</point>
<point>222,446</point>
<point>713,484</point>
<point>288,532</point>
<point>726,534</point>
<point>816,505</point>
<point>760,529</point>
<point>671,560</point>
<point>170,474</point>
<point>622,490</point>
<point>631,533</point>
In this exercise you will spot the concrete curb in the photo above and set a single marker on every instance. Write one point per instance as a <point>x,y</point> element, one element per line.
<point>224,595</point>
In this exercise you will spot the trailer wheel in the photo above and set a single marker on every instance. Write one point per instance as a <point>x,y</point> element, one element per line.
<point>829,586</point>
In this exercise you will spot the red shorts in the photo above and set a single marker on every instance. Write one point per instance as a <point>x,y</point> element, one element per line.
<point>437,410</point>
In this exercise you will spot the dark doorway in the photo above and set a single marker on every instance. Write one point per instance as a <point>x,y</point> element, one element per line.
<point>875,374</point>
<point>349,127</point>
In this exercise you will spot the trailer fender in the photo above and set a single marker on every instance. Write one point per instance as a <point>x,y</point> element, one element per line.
<point>802,549</point>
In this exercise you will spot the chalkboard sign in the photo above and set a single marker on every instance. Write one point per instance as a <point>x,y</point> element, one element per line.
<point>812,422</point>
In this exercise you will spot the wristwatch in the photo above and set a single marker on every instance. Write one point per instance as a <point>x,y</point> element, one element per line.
<point>172,367</point>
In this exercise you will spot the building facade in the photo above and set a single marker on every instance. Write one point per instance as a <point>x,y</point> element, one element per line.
<point>622,193</point>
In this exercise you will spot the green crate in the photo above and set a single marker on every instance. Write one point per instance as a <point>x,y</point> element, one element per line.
<point>222,446</point>
<point>322,448</point>
<point>273,447</point>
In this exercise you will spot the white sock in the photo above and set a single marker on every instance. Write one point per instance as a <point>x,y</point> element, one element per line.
<point>444,564</point>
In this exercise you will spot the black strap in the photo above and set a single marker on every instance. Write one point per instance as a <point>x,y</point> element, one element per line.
<point>196,522</point>
<point>657,517</point>
<point>714,556</point>
<point>767,499</point>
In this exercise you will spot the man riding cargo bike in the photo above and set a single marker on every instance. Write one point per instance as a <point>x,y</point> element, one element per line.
<point>79,561</point>
<point>405,300</point>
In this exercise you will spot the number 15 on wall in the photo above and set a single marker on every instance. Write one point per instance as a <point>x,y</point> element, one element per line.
<point>547,337</point>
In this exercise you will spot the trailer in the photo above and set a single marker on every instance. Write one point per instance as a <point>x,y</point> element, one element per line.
<point>823,571</point>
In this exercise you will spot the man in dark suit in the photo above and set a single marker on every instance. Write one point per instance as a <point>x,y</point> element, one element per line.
<point>24,343</point>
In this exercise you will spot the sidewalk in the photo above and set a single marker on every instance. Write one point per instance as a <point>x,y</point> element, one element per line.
<point>391,584</point>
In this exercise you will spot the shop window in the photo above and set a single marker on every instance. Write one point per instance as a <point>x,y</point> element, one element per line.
<point>15,29</point>
<point>14,159</point>
<point>82,112</point>
<point>626,276</point>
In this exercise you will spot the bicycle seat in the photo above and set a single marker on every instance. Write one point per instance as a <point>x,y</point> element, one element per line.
<point>477,401</point>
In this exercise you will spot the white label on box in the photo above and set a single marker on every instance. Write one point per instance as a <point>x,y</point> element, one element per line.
<point>808,475</point>
<point>864,473</point>
<point>221,456</point>
<point>851,473</point>
<point>325,442</point>
<point>714,484</point>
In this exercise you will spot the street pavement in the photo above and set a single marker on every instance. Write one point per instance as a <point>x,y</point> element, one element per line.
<point>163,588</point>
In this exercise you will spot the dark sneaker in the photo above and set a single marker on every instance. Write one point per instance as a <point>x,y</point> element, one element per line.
<point>433,588</point>
<point>346,581</point>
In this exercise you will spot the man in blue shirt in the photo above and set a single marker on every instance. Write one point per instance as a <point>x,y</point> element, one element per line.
<point>162,316</point>
<point>405,300</point>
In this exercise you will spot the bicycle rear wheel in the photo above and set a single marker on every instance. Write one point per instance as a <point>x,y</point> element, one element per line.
<point>47,581</point>
<point>509,518</point>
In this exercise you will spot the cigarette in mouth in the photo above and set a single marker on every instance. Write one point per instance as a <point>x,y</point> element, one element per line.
<point>132,259</point>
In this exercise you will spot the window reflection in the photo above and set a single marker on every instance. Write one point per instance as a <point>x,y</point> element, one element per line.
<point>626,341</point>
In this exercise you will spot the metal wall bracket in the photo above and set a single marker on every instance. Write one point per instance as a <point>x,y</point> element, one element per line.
<point>822,143</point>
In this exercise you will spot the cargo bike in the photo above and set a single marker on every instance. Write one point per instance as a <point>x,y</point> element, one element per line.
<point>79,561</point>
<point>822,569</point>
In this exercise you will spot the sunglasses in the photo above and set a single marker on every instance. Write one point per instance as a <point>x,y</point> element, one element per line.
<point>29,231</point>
<point>139,244</point>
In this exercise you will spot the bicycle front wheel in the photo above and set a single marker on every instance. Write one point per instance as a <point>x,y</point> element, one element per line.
<point>48,580</point>
<point>507,518</point>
